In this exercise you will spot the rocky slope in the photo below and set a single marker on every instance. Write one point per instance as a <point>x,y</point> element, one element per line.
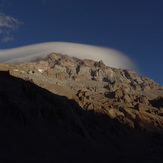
<point>107,114</point>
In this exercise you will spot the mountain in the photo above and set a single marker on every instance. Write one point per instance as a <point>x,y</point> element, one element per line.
<point>64,109</point>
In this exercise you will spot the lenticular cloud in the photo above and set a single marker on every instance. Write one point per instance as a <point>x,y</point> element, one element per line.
<point>110,57</point>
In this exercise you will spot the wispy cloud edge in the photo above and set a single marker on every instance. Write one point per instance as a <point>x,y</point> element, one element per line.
<point>8,25</point>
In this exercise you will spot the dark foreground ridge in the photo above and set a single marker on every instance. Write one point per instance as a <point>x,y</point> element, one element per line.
<point>39,126</point>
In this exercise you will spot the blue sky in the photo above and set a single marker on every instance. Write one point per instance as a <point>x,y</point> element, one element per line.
<point>134,27</point>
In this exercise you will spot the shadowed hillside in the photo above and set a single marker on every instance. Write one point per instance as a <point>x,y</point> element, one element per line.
<point>39,126</point>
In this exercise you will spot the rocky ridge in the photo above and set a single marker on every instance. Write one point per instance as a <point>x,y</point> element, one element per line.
<point>119,93</point>
<point>86,98</point>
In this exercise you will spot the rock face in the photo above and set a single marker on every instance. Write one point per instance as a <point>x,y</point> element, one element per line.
<point>79,108</point>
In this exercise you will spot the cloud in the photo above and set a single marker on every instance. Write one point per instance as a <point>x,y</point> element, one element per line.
<point>8,21</point>
<point>8,25</point>
<point>110,57</point>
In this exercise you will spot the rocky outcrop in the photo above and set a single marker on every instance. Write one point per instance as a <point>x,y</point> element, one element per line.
<point>76,69</point>
<point>93,104</point>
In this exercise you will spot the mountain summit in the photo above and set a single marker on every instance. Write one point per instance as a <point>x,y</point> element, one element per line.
<point>65,109</point>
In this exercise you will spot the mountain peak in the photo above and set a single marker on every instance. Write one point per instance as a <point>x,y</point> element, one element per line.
<point>96,104</point>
